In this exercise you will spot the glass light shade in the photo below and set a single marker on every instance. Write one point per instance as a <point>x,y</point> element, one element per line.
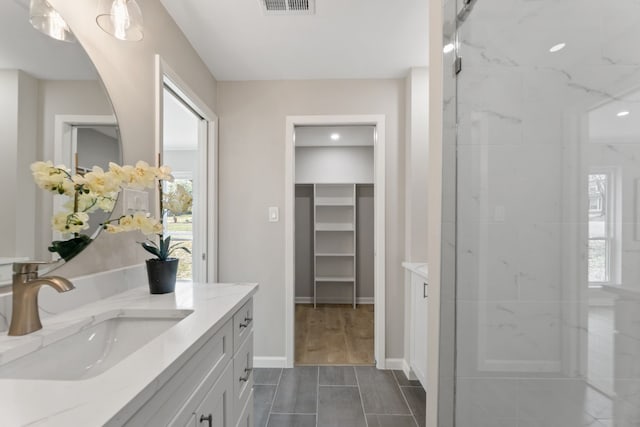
<point>47,20</point>
<point>121,18</point>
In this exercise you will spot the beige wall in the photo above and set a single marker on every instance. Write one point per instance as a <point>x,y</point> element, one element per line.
<point>251,156</point>
<point>128,73</point>
<point>417,158</point>
<point>18,115</point>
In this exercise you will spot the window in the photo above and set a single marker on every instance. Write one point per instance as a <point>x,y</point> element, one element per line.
<point>180,228</point>
<point>602,229</point>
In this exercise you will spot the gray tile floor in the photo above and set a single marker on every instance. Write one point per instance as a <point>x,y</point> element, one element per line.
<point>337,396</point>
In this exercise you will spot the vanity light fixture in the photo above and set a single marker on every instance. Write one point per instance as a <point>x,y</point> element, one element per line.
<point>335,136</point>
<point>622,113</point>
<point>557,47</point>
<point>47,20</point>
<point>121,18</point>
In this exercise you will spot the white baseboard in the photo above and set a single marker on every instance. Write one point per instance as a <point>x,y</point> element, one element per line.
<point>395,364</point>
<point>269,362</point>
<point>309,300</point>
<point>408,372</point>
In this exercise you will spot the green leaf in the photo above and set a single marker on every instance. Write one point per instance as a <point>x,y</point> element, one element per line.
<point>67,249</point>
<point>152,249</point>
<point>164,247</point>
<point>176,247</point>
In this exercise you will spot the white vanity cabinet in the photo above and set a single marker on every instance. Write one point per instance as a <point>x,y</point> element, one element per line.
<point>214,387</point>
<point>416,300</point>
<point>216,410</point>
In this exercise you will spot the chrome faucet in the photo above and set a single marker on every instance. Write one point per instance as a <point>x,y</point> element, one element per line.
<point>25,317</point>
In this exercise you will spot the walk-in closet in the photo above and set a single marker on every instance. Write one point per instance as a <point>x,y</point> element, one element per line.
<point>334,244</point>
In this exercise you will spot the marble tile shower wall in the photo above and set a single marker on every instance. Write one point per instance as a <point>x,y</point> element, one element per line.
<point>531,126</point>
<point>88,289</point>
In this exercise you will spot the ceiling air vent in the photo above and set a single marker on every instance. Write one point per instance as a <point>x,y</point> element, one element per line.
<point>288,7</point>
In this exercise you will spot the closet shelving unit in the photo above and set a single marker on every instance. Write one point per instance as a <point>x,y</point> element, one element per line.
<point>334,236</point>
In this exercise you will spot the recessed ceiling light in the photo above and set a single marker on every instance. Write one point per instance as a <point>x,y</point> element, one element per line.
<point>448,48</point>
<point>557,47</point>
<point>335,136</point>
<point>622,113</point>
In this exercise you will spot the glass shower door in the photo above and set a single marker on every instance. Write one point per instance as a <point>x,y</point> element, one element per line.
<point>547,214</point>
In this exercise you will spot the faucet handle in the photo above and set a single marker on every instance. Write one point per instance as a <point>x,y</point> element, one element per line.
<point>29,267</point>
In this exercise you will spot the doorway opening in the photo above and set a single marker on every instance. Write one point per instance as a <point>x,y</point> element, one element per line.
<point>335,240</point>
<point>84,141</point>
<point>187,142</point>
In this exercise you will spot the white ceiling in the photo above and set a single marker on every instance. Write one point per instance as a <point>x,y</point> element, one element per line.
<point>337,136</point>
<point>24,48</point>
<point>343,39</point>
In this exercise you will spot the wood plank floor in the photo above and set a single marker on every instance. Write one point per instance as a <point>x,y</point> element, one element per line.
<point>334,334</point>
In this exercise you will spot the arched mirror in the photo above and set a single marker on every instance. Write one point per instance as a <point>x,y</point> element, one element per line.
<point>53,107</point>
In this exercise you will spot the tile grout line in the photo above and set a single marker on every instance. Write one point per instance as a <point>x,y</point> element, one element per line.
<point>393,373</point>
<point>273,399</point>
<point>293,413</point>
<point>339,385</point>
<point>364,414</point>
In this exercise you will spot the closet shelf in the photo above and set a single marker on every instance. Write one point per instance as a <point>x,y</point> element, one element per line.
<point>334,254</point>
<point>334,211</point>
<point>335,279</point>
<point>323,226</point>
<point>334,201</point>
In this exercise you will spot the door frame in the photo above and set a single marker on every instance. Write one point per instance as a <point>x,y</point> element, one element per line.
<point>378,121</point>
<point>63,152</point>
<point>164,74</point>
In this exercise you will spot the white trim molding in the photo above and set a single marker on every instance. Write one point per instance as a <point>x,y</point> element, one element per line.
<point>62,151</point>
<point>395,364</point>
<point>378,121</point>
<point>269,362</point>
<point>208,164</point>
<point>408,372</point>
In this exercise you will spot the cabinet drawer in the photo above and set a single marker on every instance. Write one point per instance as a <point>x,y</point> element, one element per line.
<point>246,417</point>
<point>243,375</point>
<point>188,384</point>
<point>242,324</point>
<point>216,409</point>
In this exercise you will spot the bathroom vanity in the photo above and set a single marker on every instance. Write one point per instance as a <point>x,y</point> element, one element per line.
<point>416,297</point>
<point>180,359</point>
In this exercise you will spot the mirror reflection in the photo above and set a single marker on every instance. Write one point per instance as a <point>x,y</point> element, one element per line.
<point>53,107</point>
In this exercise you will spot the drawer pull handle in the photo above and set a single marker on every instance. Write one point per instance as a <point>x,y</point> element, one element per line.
<point>208,419</point>
<point>424,290</point>
<point>247,322</point>
<point>244,379</point>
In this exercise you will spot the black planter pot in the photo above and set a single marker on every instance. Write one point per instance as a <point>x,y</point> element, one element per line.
<point>162,275</point>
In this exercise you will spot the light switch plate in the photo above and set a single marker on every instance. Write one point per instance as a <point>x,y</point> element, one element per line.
<point>274,215</point>
<point>134,201</point>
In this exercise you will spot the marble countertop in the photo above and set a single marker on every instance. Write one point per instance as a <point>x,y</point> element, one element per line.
<point>420,268</point>
<point>113,396</point>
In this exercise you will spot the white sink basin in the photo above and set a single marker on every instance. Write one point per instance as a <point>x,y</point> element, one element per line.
<point>95,348</point>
